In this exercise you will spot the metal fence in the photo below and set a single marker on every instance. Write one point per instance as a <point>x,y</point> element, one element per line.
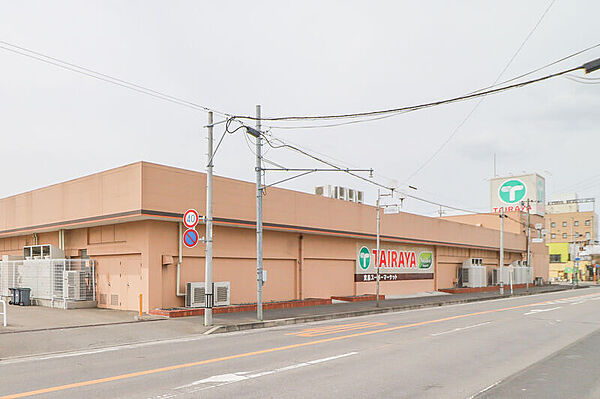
<point>50,279</point>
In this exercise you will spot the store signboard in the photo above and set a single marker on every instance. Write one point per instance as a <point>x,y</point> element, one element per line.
<point>396,262</point>
<point>510,194</point>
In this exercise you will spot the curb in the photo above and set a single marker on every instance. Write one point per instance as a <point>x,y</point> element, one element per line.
<point>81,326</point>
<point>330,316</point>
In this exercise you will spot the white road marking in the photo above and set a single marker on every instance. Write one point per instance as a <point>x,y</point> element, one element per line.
<point>460,329</point>
<point>485,389</point>
<point>534,311</point>
<point>224,379</point>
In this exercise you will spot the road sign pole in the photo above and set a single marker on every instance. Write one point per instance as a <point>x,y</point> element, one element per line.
<point>259,224</point>
<point>208,269</point>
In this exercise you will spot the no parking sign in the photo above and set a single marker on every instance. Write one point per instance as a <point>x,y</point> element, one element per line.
<point>190,238</point>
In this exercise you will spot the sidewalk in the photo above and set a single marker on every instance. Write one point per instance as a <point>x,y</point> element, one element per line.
<point>276,317</point>
<point>38,330</point>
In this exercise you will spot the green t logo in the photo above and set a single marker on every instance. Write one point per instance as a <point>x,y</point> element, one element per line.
<point>512,191</point>
<point>364,258</point>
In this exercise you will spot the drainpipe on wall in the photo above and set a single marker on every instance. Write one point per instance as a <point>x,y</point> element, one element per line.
<point>180,259</point>
<point>300,266</point>
<point>61,239</point>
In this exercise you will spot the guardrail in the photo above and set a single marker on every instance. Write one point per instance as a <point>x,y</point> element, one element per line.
<point>3,312</point>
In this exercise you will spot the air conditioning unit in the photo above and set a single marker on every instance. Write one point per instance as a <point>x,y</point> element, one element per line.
<point>506,275</point>
<point>222,292</point>
<point>360,197</point>
<point>351,195</point>
<point>473,274</point>
<point>324,191</point>
<point>74,283</point>
<point>44,251</point>
<point>473,262</point>
<point>194,295</point>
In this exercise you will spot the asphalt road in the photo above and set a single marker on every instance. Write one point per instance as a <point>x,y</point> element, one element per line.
<point>485,349</point>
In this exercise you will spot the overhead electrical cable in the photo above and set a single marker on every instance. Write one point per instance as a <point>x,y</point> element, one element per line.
<point>283,144</point>
<point>478,103</point>
<point>104,77</point>
<point>408,109</point>
<point>413,107</point>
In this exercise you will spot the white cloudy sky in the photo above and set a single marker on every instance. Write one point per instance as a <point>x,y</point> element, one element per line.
<point>310,57</point>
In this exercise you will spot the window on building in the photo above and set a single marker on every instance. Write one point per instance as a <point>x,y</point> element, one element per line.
<point>587,235</point>
<point>576,223</point>
<point>564,224</point>
<point>564,235</point>
<point>577,235</point>
<point>588,222</point>
<point>552,235</point>
<point>555,258</point>
<point>553,224</point>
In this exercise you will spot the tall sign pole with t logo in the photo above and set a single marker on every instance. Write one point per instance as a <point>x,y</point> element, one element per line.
<point>501,252</point>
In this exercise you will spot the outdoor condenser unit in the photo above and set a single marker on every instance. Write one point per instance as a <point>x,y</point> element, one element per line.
<point>506,275</point>
<point>473,273</point>
<point>194,294</point>
<point>75,285</point>
<point>222,293</point>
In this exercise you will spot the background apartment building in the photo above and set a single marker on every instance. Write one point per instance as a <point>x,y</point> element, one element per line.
<point>570,228</point>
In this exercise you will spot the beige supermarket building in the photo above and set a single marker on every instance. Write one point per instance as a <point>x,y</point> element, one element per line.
<point>128,219</point>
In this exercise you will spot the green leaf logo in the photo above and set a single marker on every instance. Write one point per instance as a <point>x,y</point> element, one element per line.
<point>425,260</point>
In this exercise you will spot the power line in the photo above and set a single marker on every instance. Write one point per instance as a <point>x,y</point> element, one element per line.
<point>102,76</point>
<point>410,109</point>
<point>583,82</point>
<point>415,107</point>
<point>478,103</point>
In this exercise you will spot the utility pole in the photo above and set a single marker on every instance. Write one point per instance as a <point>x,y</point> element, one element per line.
<point>378,254</point>
<point>259,224</point>
<point>208,269</point>
<point>528,245</point>
<point>378,208</point>
<point>501,250</point>
<point>573,254</point>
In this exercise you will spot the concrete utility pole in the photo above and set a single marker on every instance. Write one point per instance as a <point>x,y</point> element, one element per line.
<point>208,269</point>
<point>259,224</point>
<point>501,250</point>
<point>573,253</point>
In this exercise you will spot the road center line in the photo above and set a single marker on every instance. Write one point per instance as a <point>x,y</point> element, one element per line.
<point>460,329</point>
<point>261,352</point>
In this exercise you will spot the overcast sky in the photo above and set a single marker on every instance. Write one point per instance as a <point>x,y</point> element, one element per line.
<point>296,58</point>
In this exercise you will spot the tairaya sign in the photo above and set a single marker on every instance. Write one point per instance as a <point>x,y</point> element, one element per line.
<point>396,263</point>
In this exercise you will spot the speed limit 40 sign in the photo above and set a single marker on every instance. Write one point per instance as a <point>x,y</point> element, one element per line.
<point>190,218</point>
